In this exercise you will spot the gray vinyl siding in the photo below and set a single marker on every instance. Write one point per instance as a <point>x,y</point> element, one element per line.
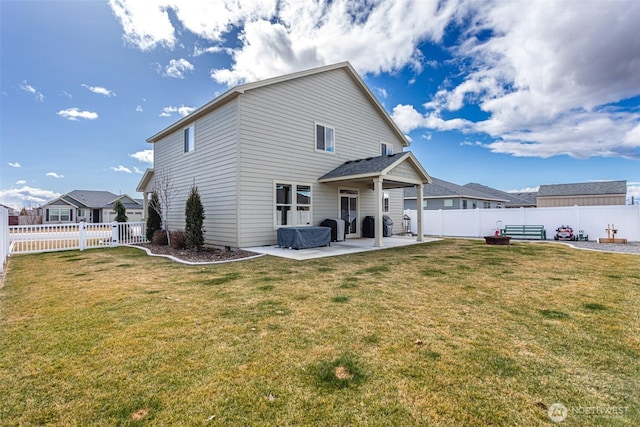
<point>277,143</point>
<point>213,168</point>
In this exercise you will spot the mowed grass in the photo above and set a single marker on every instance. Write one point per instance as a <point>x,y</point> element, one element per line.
<point>448,333</point>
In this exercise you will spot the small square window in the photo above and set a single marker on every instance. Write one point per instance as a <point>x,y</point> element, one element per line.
<point>385,149</point>
<point>448,203</point>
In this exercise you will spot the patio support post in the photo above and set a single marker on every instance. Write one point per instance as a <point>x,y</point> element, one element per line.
<point>377,187</point>
<point>420,208</point>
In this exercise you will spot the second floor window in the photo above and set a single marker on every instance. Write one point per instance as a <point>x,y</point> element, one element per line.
<point>189,139</point>
<point>385,149</point>
<point>325,138</point>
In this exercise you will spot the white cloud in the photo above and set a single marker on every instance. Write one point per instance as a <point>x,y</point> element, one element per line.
<point>546,91</point>
<point>283,36</point>
<point>75,114</point>
<point>177,68</point>
<point>525,190</point>
<point>54,175</point>
<point>67,94</point>
<point>21,182</point>
<point>26,196</point>
<point>137,170</point>
<point>99,90</point>
<point>146,24</point>
<point>182,110</point>
<point>120,168</point>
<point>139,109</point>
<point>144,156</point>
<point>30,89</point>
<point>14,164</point>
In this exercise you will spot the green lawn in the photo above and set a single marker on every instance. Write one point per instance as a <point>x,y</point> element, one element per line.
<point>447,333</point>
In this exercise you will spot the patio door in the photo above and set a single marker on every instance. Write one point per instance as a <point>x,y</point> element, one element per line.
<point>349,211</point>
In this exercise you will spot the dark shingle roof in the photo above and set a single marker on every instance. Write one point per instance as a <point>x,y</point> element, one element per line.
<point>97,199</point>
<point>368,166</point>
<point>442,188</point>
<point>514,199</point>
<point>584,189</point>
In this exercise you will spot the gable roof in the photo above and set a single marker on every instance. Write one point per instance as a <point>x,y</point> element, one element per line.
<point>373,166</point>
<point>90,199</point>
<point>583,189</point>
<point>514,199</point>
<point>238,90</point>
<point>440,188</point>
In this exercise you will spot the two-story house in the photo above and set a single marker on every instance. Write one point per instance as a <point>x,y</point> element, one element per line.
<point>288,151</point>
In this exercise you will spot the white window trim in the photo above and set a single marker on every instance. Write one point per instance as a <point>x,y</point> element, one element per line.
<point>192,132</point>
<point>388,146</point>
<point>294,203</point>
<point>386,207</point>
<point>315,138</point>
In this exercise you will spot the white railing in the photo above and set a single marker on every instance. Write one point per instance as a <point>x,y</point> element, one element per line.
<point>60,237</point>
<point>4,236</point>
<point>482,222</point>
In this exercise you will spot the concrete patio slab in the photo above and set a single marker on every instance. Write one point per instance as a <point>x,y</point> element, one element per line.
<point>350,246</point>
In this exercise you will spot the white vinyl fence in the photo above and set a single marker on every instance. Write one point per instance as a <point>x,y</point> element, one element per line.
<point>4,236</point>
<point>48,238</point>
<point>594,220</point>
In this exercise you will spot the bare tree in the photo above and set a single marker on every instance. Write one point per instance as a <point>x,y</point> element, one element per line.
<point>163,187</point>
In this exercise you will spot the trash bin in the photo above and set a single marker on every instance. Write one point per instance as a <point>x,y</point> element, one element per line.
<point>368,227</point>
<point>387,226</point>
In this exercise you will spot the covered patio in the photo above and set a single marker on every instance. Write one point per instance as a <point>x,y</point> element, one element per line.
<point>349,246</point>
<point>380,173</point>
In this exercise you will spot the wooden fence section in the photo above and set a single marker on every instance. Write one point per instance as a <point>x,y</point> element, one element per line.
<point>59,237</point>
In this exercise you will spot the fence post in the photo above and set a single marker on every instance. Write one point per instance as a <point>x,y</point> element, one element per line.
<point>82,235</point>
<point>115,238</point>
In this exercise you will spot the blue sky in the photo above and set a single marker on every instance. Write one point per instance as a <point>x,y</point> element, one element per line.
<point>507,94</point>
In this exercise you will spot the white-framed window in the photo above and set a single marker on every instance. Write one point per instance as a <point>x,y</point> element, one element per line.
<point>486,205</point>
<point>424,204</point>
<point>448,203</point>
<point>59,214</point>
<point>385,202</point>
<point>81,213</point>
<point>292,204</point>
<point>325,138</point>
<point>385,149</point>
<point>189,139</point>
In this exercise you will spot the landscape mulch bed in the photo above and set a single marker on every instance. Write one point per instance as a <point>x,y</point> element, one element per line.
<point>203,255</point>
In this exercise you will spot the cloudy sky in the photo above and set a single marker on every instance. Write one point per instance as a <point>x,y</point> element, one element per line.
<point>509,94</point>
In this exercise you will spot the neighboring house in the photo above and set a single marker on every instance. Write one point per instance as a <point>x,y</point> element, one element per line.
<point>441,194</point>
<point>582,194</point>
<point>89,206</point>
<point>288,151</point>
<point>514,200</point>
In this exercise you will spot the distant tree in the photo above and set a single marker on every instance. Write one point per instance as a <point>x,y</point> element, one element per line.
<point>163,187</point>
<point>194,218</point>
<point>121,211</point>
<point>154,219</point>
<point>121,216</point>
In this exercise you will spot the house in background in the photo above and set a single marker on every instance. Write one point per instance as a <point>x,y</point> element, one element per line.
<point>289,151</point>
<point>583,194</point>
<point>514,200</point>
<point>89,206</point>
<point>441,194</point>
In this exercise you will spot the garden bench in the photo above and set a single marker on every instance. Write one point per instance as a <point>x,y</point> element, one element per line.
<point>524,231</point>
